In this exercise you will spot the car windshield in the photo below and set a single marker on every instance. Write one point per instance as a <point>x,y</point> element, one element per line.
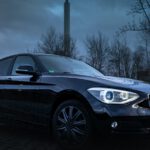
<point>56,64</point>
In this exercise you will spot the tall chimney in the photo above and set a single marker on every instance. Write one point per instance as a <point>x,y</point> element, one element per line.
<point>66,27</point>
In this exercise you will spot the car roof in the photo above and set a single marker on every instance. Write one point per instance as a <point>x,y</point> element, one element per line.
<point>30,54</point>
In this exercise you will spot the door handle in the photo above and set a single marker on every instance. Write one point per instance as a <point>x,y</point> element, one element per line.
<point>9,78</point>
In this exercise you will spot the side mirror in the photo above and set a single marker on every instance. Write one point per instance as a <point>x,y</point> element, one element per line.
<point>27,70</point>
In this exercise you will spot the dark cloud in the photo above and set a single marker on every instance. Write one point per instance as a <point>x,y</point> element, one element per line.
<point>23,21</point>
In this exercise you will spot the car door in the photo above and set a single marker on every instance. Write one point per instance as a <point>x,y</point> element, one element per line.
<point>22,94</point>
<point>5,65</point>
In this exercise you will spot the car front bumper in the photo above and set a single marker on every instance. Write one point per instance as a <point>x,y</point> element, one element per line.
<point>126,117</point>
<point>137,124</point>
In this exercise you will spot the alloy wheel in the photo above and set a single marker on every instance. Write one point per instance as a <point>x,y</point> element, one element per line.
<point>71,125</point>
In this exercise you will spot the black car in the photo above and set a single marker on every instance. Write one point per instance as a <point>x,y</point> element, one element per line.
<point>71,97</point>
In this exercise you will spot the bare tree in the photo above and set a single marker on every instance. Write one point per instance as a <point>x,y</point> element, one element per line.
<point>115,57</point>
<point>53,43</point>
<point>140,8</point>
<point>145,39</point>
<point>138,61</point>
<point>120,58</point>
<point>97,48</point>
<point>127,61</point>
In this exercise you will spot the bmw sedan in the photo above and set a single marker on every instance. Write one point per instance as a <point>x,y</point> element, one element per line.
<point>72,98</point>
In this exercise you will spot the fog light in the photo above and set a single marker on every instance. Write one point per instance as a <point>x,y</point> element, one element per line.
<point>114,125</point>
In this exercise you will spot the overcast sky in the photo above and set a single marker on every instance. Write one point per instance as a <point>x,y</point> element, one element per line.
<point>22,22</point>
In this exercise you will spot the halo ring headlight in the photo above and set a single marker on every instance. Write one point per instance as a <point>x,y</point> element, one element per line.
<point>113,96</point>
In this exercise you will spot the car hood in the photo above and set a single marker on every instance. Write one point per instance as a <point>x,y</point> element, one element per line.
<point>103,80</point>
<point>131,83</point>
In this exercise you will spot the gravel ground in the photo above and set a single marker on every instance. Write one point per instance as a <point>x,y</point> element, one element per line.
<point>21,139</point>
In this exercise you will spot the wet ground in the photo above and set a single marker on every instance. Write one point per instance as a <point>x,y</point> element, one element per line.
<point>21,139</point>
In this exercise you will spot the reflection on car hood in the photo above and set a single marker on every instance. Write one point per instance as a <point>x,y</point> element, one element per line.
<point>134,84</point>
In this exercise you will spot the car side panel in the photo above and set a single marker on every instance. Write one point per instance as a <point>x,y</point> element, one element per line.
<point>25,100</point>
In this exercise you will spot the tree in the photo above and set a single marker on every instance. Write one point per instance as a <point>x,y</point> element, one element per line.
<point>145,39</point>
<point>53,43</point>
<point>138,61</point>
<point>115,57</point>
<point>120,58</point>
<point>97,48</point>
<point>127,61</point>
<point>140,8</point>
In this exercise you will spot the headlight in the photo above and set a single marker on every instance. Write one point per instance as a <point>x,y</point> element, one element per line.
<point>113,96</point>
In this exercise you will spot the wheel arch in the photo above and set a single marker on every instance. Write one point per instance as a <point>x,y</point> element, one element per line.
<point>70,94</point>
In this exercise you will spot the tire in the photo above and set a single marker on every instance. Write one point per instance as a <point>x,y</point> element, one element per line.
<point>72,125</point>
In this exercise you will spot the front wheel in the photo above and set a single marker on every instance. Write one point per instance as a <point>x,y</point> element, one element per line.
<point>72,125</point>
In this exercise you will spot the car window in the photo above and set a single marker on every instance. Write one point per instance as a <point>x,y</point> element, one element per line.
<point>5,66</point>
<point>23,60</point>
<point>56,64</point>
